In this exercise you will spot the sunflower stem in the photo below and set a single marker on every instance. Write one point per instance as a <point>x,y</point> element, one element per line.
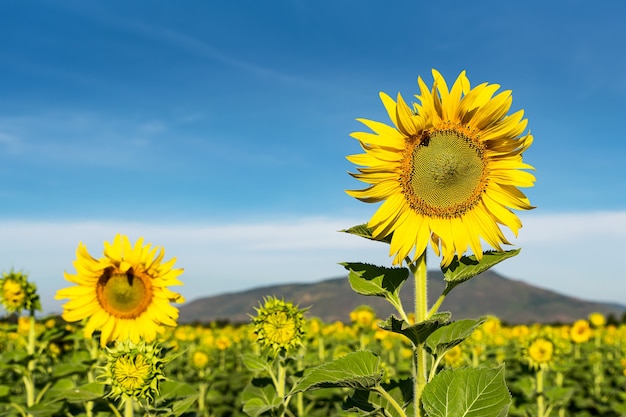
<point>383,393</point>
<point>280,386</point>
<point>129,407</point>
<point>435,307</point>
<point>421,309</point>
<point>28,378</point>
<point>539,390</point>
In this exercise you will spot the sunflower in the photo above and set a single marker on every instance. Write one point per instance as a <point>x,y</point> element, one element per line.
<point>580,331</point>
<point>17,293</point>
<point>133,370</point>
<point>540,352</point>
<point>279,325</point>
<point>447,171</point>
<point>123,294</point>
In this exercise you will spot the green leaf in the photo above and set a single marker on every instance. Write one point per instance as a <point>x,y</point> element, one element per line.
<point>171,389</point>
<point>45,409</point>
<point>448,336</point>
<point>254,362</point>
<point>559,395</point>
<point>363,231</point>
<point>259,397</point>
<point>467,392</point>
<point>65,369</point>
<point>82,393</point>
<point>58,390</point>
<point>371,403</point>
<point>468,266</point>
<point>416,333</point>
<point>372,280</point>
<point>358,370</point>
<point>182,406</point>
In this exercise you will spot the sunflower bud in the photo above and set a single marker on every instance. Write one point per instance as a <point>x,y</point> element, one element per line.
<point>279,325</point>
<point>133,370</point>
<point>17,294</point>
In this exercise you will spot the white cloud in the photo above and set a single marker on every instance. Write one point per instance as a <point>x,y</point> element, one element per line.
<point>575,254</point>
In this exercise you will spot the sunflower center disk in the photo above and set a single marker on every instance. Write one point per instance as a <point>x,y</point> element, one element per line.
<point>124,295</point>
<point>447,175</point>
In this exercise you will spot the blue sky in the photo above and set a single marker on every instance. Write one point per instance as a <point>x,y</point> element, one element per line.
<point>219,130</point>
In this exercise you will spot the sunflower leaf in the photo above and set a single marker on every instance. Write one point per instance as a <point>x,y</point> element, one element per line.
<point>372,280</point>
<point>416,333</point>
<point>358,370</point>
<point>461,270</point>
<point>364,231</point>
<point>448,336</point>
<point>371,403</point>
<point>259,397</point>
<point>469,392</point>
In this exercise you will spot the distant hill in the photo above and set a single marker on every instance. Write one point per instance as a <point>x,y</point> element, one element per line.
<point>333,299</point>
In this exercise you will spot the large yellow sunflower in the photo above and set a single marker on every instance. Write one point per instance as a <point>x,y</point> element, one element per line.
<point>447,171</point>
<point>123,294</point>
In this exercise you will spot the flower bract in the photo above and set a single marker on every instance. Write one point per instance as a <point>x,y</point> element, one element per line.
<point>447,170</point>
<point>125,293</point>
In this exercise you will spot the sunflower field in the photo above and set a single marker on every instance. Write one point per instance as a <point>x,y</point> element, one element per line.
<point>219,370</point>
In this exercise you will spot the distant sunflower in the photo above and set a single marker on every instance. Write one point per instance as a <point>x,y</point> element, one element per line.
<point>540,352</point>
<point>124,294</point>
<point>447,171</point>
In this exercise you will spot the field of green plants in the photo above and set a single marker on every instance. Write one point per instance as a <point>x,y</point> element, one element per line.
<point>209,369</point>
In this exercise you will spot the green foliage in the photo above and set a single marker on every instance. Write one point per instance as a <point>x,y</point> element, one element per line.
<point>371,403</point>
<point>363,231</point>
<point>358,370</point>
<point>260,396</point>
<point>416,333</point>
<point>372,280</point>
<point>446,337</point>
<point>461,270</point>
<point>469,392</point>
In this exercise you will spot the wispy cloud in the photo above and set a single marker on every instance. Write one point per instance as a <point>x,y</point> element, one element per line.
<point>221,258</point>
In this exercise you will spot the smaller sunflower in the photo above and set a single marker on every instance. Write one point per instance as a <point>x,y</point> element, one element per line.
<point>580,331</point>
<point>200,359</point>
<point>133,370</point>
<point>17,293</point>
<point>124,294</point>
<point>279,325</point>
<point>597,320</point>
<point>363,316</point>
<point>540,352</point>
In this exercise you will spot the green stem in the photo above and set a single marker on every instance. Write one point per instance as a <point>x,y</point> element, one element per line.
<point>114,409</point>
<point>280,386</point>
<point>435,307</point>
<point>539,391</point>
<point>390,399</point>
<point>202,388</point>
<point>18,408</point>
<point>94,351</point>
<point>129,407</point>
<point>421,309</point>
<point>28,378</point>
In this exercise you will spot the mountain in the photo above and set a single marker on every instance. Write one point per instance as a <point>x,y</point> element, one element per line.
<point>488,293</point>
